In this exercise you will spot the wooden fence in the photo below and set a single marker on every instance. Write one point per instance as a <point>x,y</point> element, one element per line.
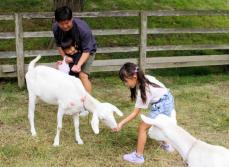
<point>20,68</point>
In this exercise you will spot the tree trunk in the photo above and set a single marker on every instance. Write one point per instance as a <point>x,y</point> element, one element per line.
<point>75,5</point>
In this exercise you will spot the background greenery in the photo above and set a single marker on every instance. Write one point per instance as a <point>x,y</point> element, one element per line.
<point>11,6</point>
<point>201,93</point>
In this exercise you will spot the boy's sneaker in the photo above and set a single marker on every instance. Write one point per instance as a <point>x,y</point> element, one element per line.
<point>167,147</point>
<point>134,158</point>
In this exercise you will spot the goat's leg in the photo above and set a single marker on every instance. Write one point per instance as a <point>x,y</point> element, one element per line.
<point>156,134</point>
<point>31,110</point>
<point>59,126</point>
<point>77,131</point>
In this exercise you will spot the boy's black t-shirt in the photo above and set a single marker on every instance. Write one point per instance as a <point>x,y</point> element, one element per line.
<point>76,58</point>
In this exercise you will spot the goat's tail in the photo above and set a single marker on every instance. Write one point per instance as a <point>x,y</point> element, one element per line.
<point>33,62</point>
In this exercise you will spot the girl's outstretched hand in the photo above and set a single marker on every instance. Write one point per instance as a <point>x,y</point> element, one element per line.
<point>119,127</point>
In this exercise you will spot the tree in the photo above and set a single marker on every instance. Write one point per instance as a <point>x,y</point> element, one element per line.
<point>75,5</point>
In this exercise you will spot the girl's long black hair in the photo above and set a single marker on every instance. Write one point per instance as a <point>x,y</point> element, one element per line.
<point>127,71</point>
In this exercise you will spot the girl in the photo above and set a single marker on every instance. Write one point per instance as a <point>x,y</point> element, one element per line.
<point>147,92</point>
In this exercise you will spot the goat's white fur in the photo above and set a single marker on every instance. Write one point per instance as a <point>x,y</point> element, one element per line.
<point>57,88</point>
<point>155,133</point>
<point>195,152</point>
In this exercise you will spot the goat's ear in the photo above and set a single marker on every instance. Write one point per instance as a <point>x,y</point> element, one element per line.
<point>116,110</point>
<point>147,120</point>
<point>95,123</point>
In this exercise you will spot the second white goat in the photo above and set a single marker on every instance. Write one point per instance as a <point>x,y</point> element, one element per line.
<point>196,153</point>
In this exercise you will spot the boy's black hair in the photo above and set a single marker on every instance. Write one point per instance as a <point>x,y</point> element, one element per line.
<point>127,71</point>
<point>63,13</point>
<point>67,44</point>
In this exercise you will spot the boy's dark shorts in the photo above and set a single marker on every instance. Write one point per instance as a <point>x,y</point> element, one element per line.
<point>86,67</point>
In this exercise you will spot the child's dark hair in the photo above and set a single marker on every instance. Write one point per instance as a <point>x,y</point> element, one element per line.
<point>67,44</point>
<point>127,71</point>
<point>63,13</point>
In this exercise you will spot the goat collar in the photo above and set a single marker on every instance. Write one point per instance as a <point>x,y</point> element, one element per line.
<point>190,149</point>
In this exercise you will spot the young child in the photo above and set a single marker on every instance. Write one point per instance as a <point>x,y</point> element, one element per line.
<point>147,92</point>
<point>72,55</point>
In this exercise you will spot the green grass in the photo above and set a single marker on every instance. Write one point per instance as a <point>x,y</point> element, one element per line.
<point>11,6</point>
<point>201,98</point>
<point>155,5</point>
<point>201,93</point>
<point>101,5</point>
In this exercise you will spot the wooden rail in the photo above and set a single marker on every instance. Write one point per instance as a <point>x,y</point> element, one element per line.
<point>18,70</point>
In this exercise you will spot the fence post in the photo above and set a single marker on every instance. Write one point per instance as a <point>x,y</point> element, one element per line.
<point>143,40</point>
<point>19,50</point>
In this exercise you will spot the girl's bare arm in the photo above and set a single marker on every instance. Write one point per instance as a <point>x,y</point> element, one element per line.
<point>128,119</point>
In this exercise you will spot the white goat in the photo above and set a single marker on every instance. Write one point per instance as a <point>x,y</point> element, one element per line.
<point>196,153</point>
<point>57,88</point>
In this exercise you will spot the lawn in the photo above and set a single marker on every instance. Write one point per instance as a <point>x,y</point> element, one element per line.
<point>202,104</point>
<point>201,93</point>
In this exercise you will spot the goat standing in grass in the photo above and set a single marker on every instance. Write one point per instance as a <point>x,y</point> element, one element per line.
<point>57,88</point>
<point>196,153</point>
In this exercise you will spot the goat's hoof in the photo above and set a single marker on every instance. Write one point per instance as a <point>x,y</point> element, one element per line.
<point>34,134</point>
<point>80,142</point>
<point>55,145</point>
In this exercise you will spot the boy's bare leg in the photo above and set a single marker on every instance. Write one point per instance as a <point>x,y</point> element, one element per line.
<point>86,82</point>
